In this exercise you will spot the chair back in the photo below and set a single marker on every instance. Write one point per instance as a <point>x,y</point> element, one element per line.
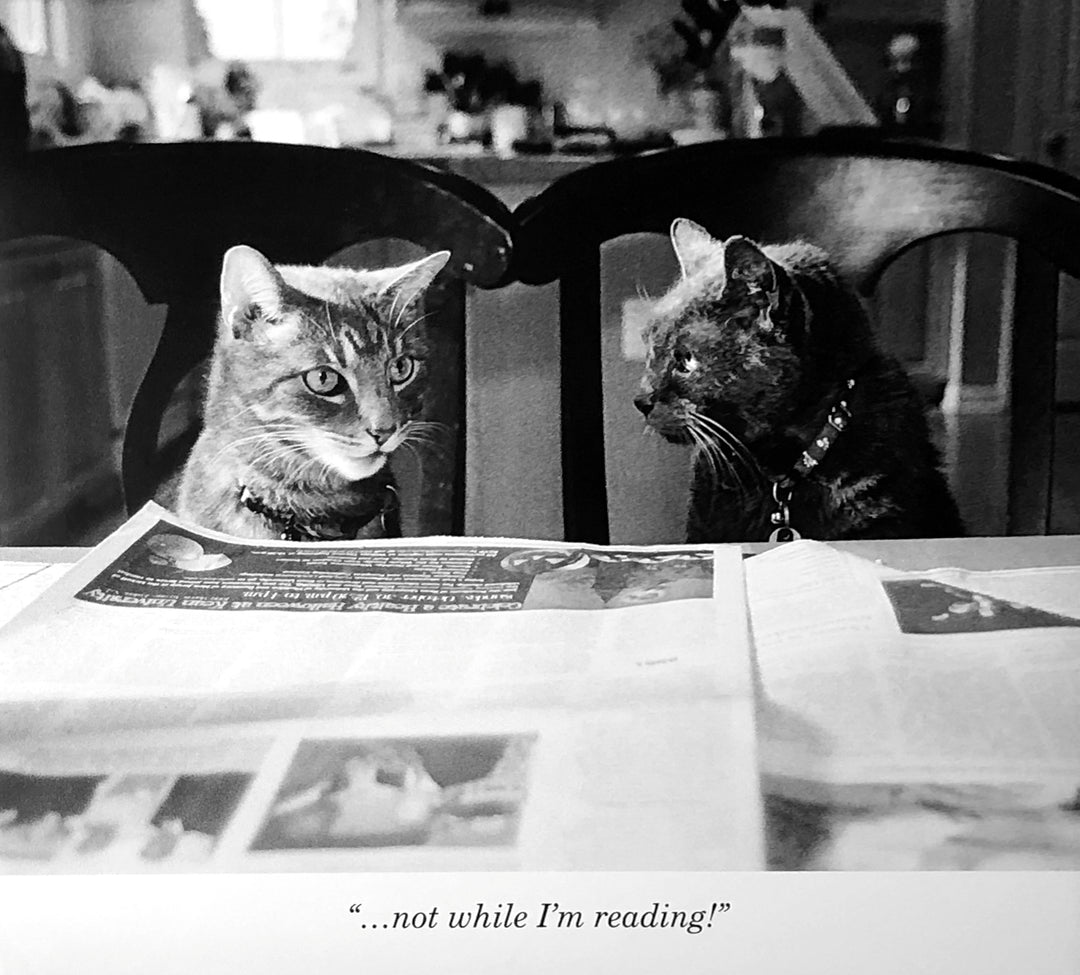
<point>168,212</point>
<point>864,200</point>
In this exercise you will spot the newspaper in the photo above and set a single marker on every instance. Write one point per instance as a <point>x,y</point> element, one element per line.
<point>916,719</point>
<point>20,582</point>
<point>184,700</point>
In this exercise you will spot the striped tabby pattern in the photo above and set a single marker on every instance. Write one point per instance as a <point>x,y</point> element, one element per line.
<point>317,377</point>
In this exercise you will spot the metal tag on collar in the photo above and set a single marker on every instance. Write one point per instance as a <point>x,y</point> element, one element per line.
<point>781,517</point>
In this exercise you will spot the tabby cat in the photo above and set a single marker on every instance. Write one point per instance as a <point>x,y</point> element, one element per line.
<point>763,359</point>
<point>317,376</point>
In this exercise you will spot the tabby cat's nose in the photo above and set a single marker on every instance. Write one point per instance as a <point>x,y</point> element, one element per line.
<point>381,434</point>
<point>644,403</point>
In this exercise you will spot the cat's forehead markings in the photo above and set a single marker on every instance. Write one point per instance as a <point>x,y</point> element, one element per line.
<point>356,344</point>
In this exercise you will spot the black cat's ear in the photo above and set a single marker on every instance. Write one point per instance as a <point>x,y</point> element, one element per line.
<point>251,289</point>
<point>745,261</point>
<point>693,245</point>
<point>409,281</point>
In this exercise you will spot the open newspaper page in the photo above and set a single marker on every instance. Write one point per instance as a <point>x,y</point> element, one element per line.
<point>185,700</point>
<point>924,720</point>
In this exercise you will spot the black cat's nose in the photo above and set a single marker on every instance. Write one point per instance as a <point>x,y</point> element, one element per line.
<point>381,434</point>
<point>644,403</point>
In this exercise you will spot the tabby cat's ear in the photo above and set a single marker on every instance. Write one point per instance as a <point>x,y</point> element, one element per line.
<point>693,244</point>
<point>411,280</point>
<point>745,261</point>
<point>251,289</point>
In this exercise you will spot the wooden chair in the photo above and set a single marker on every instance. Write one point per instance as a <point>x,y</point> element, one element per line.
<point>865,200</point>
<point>168,212</point>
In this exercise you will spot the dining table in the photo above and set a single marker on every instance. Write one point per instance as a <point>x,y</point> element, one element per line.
<point>983,553</point>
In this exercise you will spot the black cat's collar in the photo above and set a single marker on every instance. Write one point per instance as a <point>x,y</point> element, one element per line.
<point>292,528</point>
<point>835,424</point>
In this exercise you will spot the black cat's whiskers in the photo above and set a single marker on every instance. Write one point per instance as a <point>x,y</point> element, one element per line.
<point>738,448</point>
<point>720,446</point>
<point>715,458</point>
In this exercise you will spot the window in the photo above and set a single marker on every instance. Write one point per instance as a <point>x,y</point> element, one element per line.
<point>37,26</point>
<point>276,30</point>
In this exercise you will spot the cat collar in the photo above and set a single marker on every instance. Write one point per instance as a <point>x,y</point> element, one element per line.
<point>291,528</point>
<point>835,424</point>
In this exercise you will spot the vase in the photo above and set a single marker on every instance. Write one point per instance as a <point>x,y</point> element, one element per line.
<point>704,106</point>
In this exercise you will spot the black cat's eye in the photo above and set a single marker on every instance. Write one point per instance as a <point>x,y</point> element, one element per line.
<point>684,362</point>
<point>324,381</point>
<point>401,369</point>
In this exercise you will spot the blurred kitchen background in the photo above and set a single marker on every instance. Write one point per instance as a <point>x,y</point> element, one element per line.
<point>418,76</point>
<point>513,94</point>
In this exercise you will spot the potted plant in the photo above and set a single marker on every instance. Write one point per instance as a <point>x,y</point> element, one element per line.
<point>685,55</point>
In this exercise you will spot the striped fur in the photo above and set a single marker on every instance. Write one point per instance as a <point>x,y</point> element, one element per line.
<point>317,376</point>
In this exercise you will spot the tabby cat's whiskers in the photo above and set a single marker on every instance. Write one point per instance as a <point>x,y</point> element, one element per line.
<point>416,321</point>
<point>429,434</point>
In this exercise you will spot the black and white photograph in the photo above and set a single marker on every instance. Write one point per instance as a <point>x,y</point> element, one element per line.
<point>560,579</point>
<point>929,606</point>
<point>440,792</point>
<point>114,822</point>
<point>588,454</point>
<point>921,826</point>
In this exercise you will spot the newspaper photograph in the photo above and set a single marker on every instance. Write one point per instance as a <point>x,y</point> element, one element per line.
<point>654,788</point>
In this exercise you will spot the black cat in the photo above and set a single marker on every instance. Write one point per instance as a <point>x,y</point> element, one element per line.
<point>764,360</point>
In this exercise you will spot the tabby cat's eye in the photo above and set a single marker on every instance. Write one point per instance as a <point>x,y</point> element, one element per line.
<point>401,369</point>
<point>324,381</point>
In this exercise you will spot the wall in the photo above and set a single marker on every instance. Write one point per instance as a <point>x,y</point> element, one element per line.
<point>129,37</point>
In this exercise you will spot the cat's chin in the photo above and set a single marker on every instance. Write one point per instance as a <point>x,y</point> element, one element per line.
<point>357,468</point>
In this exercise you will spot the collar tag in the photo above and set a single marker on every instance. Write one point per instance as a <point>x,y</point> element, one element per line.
<point>781,517</point>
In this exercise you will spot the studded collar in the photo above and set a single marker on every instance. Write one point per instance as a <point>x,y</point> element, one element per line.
<point>782,487</point>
